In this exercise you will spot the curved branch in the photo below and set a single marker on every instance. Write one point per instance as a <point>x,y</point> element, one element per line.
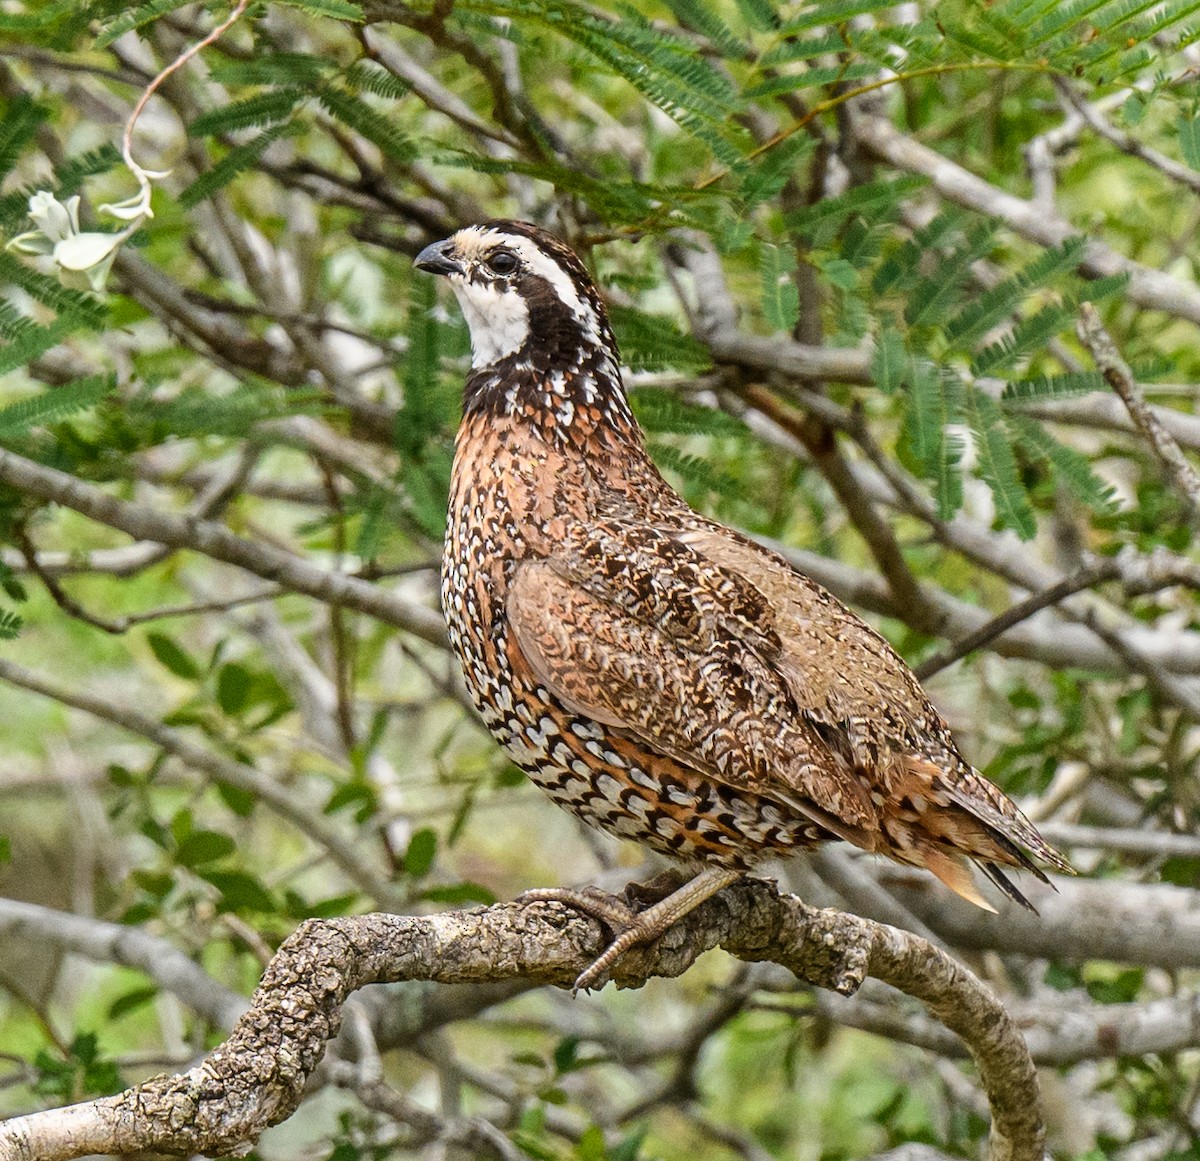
<point>258,1076</point>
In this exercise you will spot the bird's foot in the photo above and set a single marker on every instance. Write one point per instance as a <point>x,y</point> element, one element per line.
<point>631,928</point>
<point>609,909</point>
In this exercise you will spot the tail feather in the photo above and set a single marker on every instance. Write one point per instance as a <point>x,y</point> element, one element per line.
<point>973,820</point>
<point>1006,885</point>
<point>956,875</point>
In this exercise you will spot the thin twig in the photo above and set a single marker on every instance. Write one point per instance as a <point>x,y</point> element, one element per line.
<point>1120,378</point>
<point>1079,580</point>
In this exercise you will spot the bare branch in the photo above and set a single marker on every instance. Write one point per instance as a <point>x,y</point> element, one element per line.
<point>217,541</point>
<point>1148,287</point>
<point>105,942</point>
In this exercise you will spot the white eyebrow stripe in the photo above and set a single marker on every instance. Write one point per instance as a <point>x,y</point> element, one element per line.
<point>538,262</point>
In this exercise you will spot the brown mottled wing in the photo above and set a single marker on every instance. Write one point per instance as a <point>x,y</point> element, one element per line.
<point>636,630</point>
<point>860,695</point>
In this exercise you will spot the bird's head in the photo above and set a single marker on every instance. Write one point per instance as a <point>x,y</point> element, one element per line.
<point>526,297</point>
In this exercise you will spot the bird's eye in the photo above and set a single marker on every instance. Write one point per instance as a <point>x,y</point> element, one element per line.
<point>502,262</point>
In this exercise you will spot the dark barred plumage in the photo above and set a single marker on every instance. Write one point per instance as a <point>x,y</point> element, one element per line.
<point>656,673</point>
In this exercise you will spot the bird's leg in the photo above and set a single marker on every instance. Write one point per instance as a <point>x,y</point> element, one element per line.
<point>632,928</point>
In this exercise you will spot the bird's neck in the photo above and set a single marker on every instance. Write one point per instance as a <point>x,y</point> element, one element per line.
<point>574,399</point>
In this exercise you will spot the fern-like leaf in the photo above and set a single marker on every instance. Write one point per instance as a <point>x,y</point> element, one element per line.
<point>700,16</point>
<point>1028,335</point>
<point>57,403</point>
<point>298,69</point>
<point>890,364</point>
<point>137,17</point>
<point>365,76</point>
<point>869,197</point>
<point>1068,465</point>
<point>374,126</point>
<point>239,159</point>
<point>662,412</point>
<point>935,293</point>
<point>29,340</point>
<point>761,15</point>
<point>22,116</point>
<point>333,9</point>
<point>780,295</point>
<point>263,108</point>
<point>82,309</point>
<point>695,472</point>
<point>998,465</point>
<point>832,12</point>
<point>1065,386</point>
<point>934,405</point>
<point>987,310</point>
<point>652,343</point>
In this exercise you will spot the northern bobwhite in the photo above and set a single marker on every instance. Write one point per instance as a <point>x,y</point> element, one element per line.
<point>658,674</point>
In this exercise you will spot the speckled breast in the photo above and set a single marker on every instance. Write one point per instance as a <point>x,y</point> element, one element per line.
<point>501,511</point>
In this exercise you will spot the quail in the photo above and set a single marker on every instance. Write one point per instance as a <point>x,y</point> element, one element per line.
<point>658,674</point>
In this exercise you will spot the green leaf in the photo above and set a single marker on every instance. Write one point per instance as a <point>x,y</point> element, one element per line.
<point>272,68</point>
<point>662,412</point>
<point>936,293</point>
<point>992,307</point>
<point>234,683</point>
<point>701,16</point>
<point>239,891</point>
<point>361,117</point>
<point>1065,386</point>
<point>651,342</point>
<point>137,17</point>
<point>57,403</point>
<point>459,893</point>
<point>203,846</point>
<point>354,792</point>
<point>934,402</point>
<point>1069,466</point>
<point>236,798</point>
<point>1029,335</point>
<point>761,15</point>
<point>239,159</point>
<point>260,109</point>
<point>422,850</point>
<point>10,624</point>
<point>566,1052</point>
<point>131,1002</point>
<point>22,116</point>
<point>173,657</point>
<point>334,9</point>
<point>871,196</point>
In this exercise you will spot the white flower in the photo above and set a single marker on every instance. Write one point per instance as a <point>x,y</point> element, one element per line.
<point>83,258</point>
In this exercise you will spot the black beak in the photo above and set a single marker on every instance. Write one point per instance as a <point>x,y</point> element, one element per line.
<point>434,260</point>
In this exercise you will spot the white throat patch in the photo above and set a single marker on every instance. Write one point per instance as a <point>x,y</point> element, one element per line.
<point>498,320</point>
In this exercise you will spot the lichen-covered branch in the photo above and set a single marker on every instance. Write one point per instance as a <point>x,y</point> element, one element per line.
<point>258,1076</point>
